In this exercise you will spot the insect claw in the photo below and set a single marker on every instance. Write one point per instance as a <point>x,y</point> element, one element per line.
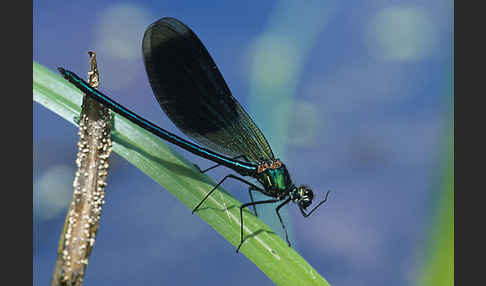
<point>238,249</point>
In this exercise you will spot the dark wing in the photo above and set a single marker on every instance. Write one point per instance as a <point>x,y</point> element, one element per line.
<point>192,92</point>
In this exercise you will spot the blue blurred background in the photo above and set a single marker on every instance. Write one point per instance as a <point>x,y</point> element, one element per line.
<point>354,96</point>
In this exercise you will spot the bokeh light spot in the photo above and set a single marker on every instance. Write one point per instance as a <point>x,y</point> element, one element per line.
<point>401,34</point>
<point>118,34</point>
<point>53,191</point>
<point>274,61</point>
<point>119,31</point>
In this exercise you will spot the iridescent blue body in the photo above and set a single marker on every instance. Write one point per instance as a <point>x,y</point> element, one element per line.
<point>192,92</point>
<point>245,168</point>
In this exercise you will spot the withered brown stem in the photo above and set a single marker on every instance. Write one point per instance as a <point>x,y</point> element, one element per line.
<point>84,213</point>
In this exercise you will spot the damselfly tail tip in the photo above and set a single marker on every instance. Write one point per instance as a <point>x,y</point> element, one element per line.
<point>62,71</point>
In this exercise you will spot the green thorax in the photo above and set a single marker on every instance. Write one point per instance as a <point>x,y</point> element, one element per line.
<point>276,181</point>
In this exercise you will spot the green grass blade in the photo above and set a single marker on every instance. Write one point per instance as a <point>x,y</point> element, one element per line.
<point>438,267</point>
<point>179,176</point>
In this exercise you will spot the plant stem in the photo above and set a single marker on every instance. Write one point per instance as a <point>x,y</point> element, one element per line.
<point>83,216</point>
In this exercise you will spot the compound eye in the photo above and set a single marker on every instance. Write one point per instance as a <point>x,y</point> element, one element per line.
<point>307,193</point>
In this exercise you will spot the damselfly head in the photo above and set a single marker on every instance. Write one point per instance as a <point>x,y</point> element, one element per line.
<point>303,196</point>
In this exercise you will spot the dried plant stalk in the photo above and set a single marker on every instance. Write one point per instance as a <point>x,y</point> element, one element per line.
<point>83,217</point>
